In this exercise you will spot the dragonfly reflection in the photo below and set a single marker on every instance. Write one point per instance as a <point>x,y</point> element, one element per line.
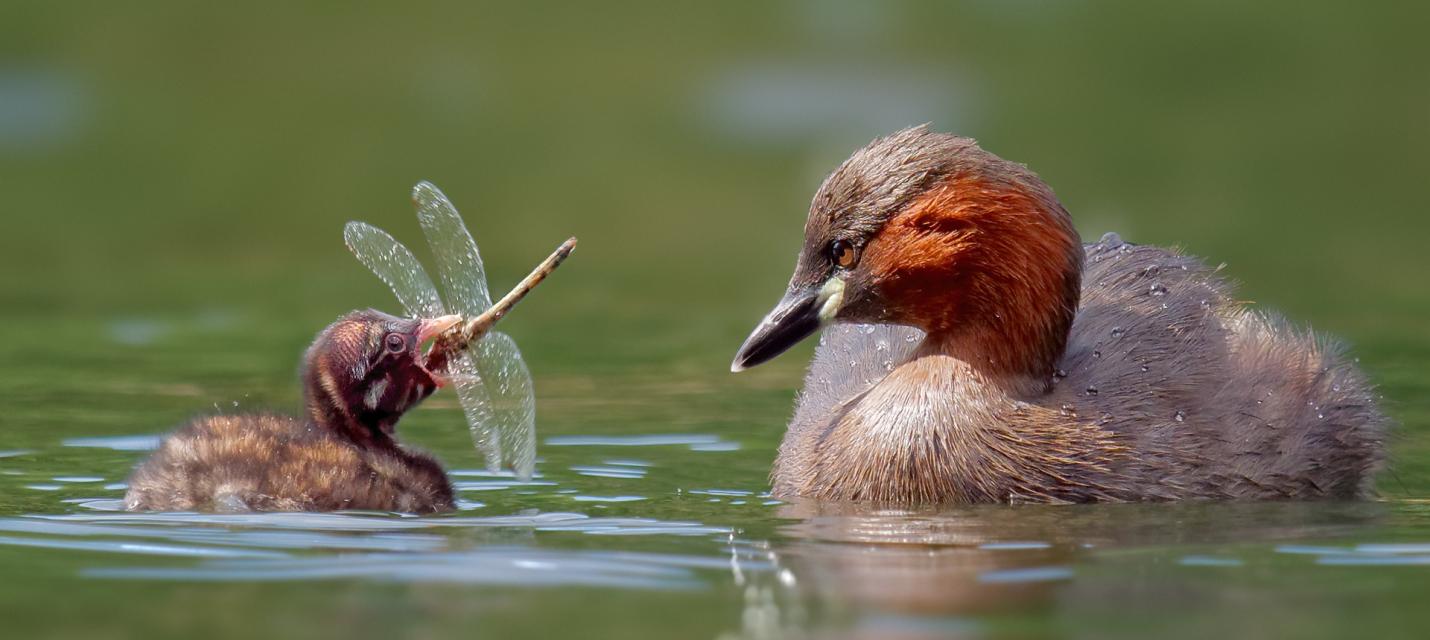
<point>483,366</point>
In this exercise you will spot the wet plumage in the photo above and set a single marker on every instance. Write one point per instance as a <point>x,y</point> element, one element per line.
<point>360,376</point>
<point>983,354</point>
<point>279,463</point>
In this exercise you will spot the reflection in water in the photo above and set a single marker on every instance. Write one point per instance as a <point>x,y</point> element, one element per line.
<point>919,573</point>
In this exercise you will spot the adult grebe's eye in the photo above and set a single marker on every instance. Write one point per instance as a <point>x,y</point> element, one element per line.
<point>844,254</point>
<point>395,343</point>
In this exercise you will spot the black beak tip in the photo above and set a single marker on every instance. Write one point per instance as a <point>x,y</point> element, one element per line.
<point>750,356</point>
<point>744,356</point>
<point>741,362</point>
<point>794,319</point>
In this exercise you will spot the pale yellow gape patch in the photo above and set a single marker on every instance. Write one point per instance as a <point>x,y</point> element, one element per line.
<point>831,298</point>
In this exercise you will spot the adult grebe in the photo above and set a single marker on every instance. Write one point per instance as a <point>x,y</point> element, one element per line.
<point>986,355</point>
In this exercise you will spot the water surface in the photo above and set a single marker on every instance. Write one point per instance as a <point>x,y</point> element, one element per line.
<point>649,517</point>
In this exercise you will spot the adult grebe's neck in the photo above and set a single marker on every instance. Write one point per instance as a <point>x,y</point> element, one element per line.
<point>1001,290</point>
<point>980,365</point>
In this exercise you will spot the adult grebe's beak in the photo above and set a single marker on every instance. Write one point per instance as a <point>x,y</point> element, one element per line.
<point>800,313</point>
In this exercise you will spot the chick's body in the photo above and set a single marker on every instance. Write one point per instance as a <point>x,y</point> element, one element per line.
<point>279,463</point>
<point>360,375</point>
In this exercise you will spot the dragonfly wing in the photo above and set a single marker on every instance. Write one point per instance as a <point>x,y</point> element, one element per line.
<point>471,390</point>
<point>490,377</point>
<point>512,412</point>
<point>395,265</point>
<point>507,420</point>
<point>459,264</point>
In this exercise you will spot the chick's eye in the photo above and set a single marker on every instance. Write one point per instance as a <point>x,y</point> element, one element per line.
<point>844,254</point>
<point>395,343</point>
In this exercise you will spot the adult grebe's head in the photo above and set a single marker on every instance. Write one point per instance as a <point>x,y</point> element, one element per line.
<point>366,369</point>
<point>926,229</point>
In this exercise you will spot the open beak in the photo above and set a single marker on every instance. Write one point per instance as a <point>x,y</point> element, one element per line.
<point>800,313</point>
<point>432,329</point>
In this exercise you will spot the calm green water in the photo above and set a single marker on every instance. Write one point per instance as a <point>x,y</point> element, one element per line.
<point>175,183</point>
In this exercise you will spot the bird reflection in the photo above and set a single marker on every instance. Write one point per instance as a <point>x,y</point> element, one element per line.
<point>938,572</point>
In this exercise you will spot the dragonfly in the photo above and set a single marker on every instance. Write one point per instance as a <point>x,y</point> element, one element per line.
<point>484,366</point>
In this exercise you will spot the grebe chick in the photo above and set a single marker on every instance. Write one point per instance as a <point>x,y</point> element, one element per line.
<point>984,354</point>
<point>359,376</point>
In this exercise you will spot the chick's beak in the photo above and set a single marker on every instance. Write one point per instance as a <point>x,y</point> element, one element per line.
<point>801,312</point>
<point>432,329</point>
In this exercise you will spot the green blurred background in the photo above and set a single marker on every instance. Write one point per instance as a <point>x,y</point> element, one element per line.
<point>162,158</point>
<point>178,166</point>
<point>174,180</point>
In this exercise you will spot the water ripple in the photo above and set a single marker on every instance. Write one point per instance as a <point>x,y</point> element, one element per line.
<point>318,546</point>
<point>116,546</point>
<point>227,537</point>
<point>625,473</point>
<point>351,522</point>
<point>496,565</point>
<point>643,440</point>
<point>1033,574</point>
<point>117,443</point>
